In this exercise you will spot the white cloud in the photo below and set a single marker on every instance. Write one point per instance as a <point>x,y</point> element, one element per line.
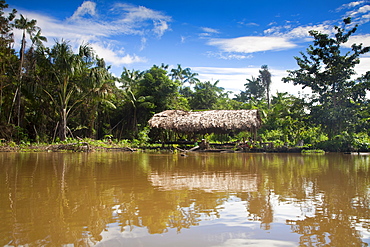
<point>302,31</point>
<point>251,44</point>
<point>209,30</point>
<point>137,18</point>
<point>233,79</point>
<point>228,56</point>
<point>364,9</point>
<point>143,43</point>
<point>248,23</point>
<point>87,7</point>
<point>358,11</point>
<point>350,5</point>
<point>160,27</point>
<point>364,65</point>
<point>89,24</point>
<point>358,39</point>
<point>115,57</point>
<point>131,20</point>
<point>299,32</point>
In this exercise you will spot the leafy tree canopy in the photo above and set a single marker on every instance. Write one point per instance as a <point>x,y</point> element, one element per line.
<point>328,70</point>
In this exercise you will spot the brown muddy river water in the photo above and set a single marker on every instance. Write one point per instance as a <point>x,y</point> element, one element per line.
<point>141,199</point>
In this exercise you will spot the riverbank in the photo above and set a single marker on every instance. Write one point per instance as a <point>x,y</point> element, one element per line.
<point>87,145</point>
<point>90,145</point>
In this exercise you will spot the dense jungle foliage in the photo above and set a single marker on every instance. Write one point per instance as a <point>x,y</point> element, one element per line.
<point>50,94</point>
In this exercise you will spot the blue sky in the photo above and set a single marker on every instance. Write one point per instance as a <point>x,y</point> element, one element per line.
<point>219,40</point>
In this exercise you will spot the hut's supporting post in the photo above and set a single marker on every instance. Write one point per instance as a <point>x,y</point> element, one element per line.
<point>254,134</point>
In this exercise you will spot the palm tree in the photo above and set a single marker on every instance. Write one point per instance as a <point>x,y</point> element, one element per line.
<point>190,77</point>
<point>177,74</point>
<point>64,65</point>
<point>206,95</point>
<point>265,77</point>
<point>254,89</point>
<point>130,80</point>
<point>99,87</point>
<point>29,27</point>
<point>37,39</point>
<point>184,75</point>
<point>26,26</point>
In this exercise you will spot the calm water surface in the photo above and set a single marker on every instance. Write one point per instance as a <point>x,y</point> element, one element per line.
<point>136,199</point>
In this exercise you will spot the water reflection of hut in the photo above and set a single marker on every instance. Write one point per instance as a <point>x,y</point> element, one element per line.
<point>235,182</point>
<point>202,122</point>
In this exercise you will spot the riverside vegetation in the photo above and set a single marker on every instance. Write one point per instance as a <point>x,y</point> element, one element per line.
<point>60,96</point>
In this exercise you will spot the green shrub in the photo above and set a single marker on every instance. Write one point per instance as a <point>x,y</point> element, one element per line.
<point>346,143</point>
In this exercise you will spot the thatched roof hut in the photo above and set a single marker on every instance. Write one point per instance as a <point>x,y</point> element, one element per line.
<point>215,121</point>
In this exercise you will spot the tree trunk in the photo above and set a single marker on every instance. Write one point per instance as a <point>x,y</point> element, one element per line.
<point>63,125</point>
<point>23,45</point>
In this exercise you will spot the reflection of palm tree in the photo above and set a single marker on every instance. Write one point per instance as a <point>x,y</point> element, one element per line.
<point>260,209</point>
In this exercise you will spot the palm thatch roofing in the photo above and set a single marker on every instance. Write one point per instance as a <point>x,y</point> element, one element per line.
<point>214,121</point>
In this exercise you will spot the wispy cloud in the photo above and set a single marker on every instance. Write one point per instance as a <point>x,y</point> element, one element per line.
<point>87,7</point>
<point>228,56</point>
<point>358,39</point>
<point>207,31</point>
<point>99,27</point>
<point>359,11</point>
<point>350,5</point>
<point>233,79</point>
<point>251,44</point>
<point>248,24</point>
<point>116,57</point>
<point>137,19</point>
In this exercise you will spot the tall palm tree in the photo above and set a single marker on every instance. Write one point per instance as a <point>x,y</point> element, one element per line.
<point>37,39</point>
<point>64,65</point>
<point>184,75</point>
<point>254,89</point>
<point>265,77</point>
<point>130,79</point>
<point>99,86</point>
<point>27,26</point>
<point>177,74</point>
<point>190,77</point>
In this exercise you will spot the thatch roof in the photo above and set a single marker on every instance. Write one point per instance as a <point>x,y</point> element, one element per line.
<point>215,121</point>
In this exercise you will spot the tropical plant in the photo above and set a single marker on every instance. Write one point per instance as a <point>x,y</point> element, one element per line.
<point>184,75</point>
<point>64,67</point>
<point>329,73</point>
<point>265,78</point>
<point>205,96</point>
<point>130,80</point>
<point>8,61</point>
<point>27,26</point>
<point>254,90</point>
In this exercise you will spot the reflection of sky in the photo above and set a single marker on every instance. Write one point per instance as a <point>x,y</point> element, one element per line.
<point>365,234</point>
<point>231,228</point>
